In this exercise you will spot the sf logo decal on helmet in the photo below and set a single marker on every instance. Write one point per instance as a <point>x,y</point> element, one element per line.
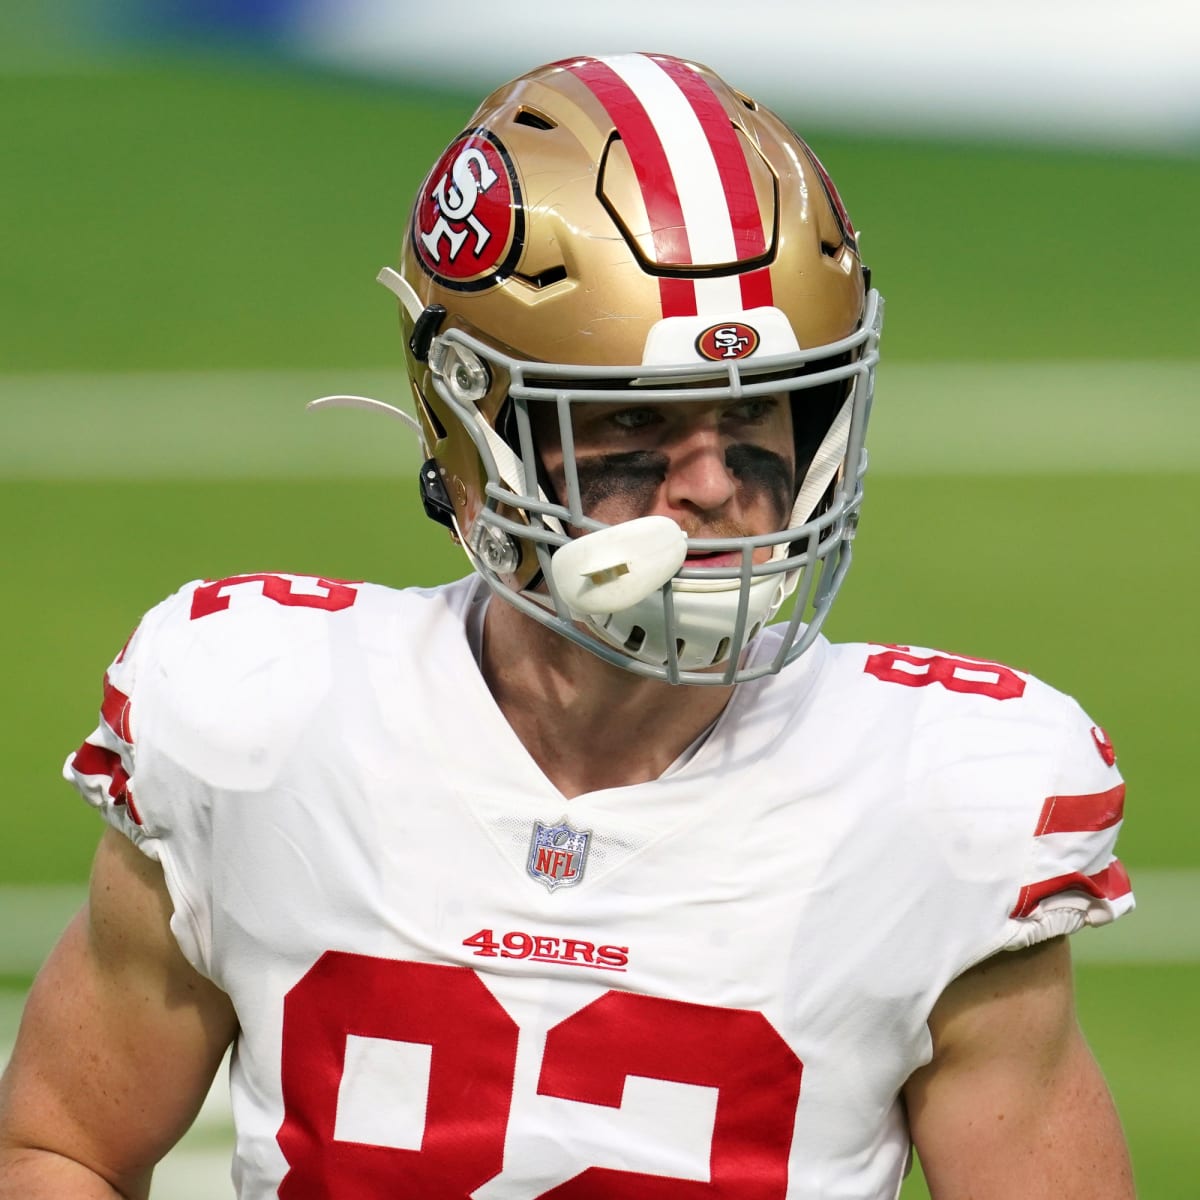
<point>468,227</point>
<point>460,205</point>
<point>731,340</point>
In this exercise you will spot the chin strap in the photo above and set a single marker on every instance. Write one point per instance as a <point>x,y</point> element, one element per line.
<point>826,463</point>
<point>403,291</point>
<point>509,467</point>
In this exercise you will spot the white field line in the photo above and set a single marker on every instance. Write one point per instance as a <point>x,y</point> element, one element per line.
<point>31,919</point>
<point>1160,930</point>
<point>976,418</point>
<point>195,1172</point>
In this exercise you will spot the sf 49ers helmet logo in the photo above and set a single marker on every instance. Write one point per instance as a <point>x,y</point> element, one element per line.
<point>469,226</point>
<point>731,340</point>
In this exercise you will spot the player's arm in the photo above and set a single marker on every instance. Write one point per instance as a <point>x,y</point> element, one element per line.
<point>119,1043</point>
<point>1013,1103</point>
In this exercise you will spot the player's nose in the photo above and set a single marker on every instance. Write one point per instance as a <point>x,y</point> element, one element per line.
<point>698,477</point>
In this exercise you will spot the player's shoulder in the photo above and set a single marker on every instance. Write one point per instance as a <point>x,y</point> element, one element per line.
<point>264,616</point>
<point>971,725</point>
<point>937,685</point>
<point>1010,781</point>
<point>262,650</point>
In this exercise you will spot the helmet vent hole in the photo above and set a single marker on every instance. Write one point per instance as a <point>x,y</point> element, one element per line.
<point>535,120</point>
<point>543,279</point>
<point>831,249</point>
<point>722,650</point>
<point>633,643</point>
<point>439,430</point>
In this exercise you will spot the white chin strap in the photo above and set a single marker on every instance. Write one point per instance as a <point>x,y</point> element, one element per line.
<point>826,463</point>
<point>612,579</point>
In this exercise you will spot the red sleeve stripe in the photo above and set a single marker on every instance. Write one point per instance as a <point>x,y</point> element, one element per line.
<point>98,761</point>
<point>1082,814</point>
<point>1109,884</point>
<point>94,760</point>
<point>115,711</point>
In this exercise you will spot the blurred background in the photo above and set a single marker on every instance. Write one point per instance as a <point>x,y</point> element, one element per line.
<point>197,195</point>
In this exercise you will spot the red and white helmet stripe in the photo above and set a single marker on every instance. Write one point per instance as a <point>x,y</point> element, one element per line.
<point>692,170</point>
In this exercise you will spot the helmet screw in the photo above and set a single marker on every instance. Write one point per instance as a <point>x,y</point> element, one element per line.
<point>498,550</point>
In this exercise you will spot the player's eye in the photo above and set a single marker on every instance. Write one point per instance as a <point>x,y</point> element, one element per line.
<point>634,418</point>
<point>755,409</point>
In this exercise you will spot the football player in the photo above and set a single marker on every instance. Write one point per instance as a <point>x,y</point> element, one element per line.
<point>590,875</point>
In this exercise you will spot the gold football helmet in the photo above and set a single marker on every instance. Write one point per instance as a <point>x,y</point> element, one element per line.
<point>631,229</point>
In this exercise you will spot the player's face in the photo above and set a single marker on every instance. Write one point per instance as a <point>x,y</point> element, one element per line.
<point>718,470</point>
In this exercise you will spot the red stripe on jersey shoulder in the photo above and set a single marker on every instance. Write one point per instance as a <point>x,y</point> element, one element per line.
<point>115,711</point>
<point>96,760</point>
<point>1082,814</point>
<point>1109,884</point>
<point>660,194</point>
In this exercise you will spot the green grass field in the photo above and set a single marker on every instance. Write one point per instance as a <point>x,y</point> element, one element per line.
<point>188,217</point>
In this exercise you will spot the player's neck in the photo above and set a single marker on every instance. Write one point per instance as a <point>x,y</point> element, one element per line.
<point>586,723</point>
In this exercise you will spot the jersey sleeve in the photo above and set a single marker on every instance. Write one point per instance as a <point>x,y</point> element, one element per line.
<point>213,708</point>
<point>1071,876</point>
<point>107,767</point>
<point>102,768</point>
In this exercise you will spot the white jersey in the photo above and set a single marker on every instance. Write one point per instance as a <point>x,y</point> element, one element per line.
<point>452,982</point>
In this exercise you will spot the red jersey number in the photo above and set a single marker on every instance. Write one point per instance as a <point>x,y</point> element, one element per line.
<point>588,1057</point>
<point>973,676</point>
<point>213,598</point>
<point>470,1080</point>
<point>757,1077</point>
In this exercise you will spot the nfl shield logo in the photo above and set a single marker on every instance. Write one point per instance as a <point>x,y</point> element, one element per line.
<point>557,854</point>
